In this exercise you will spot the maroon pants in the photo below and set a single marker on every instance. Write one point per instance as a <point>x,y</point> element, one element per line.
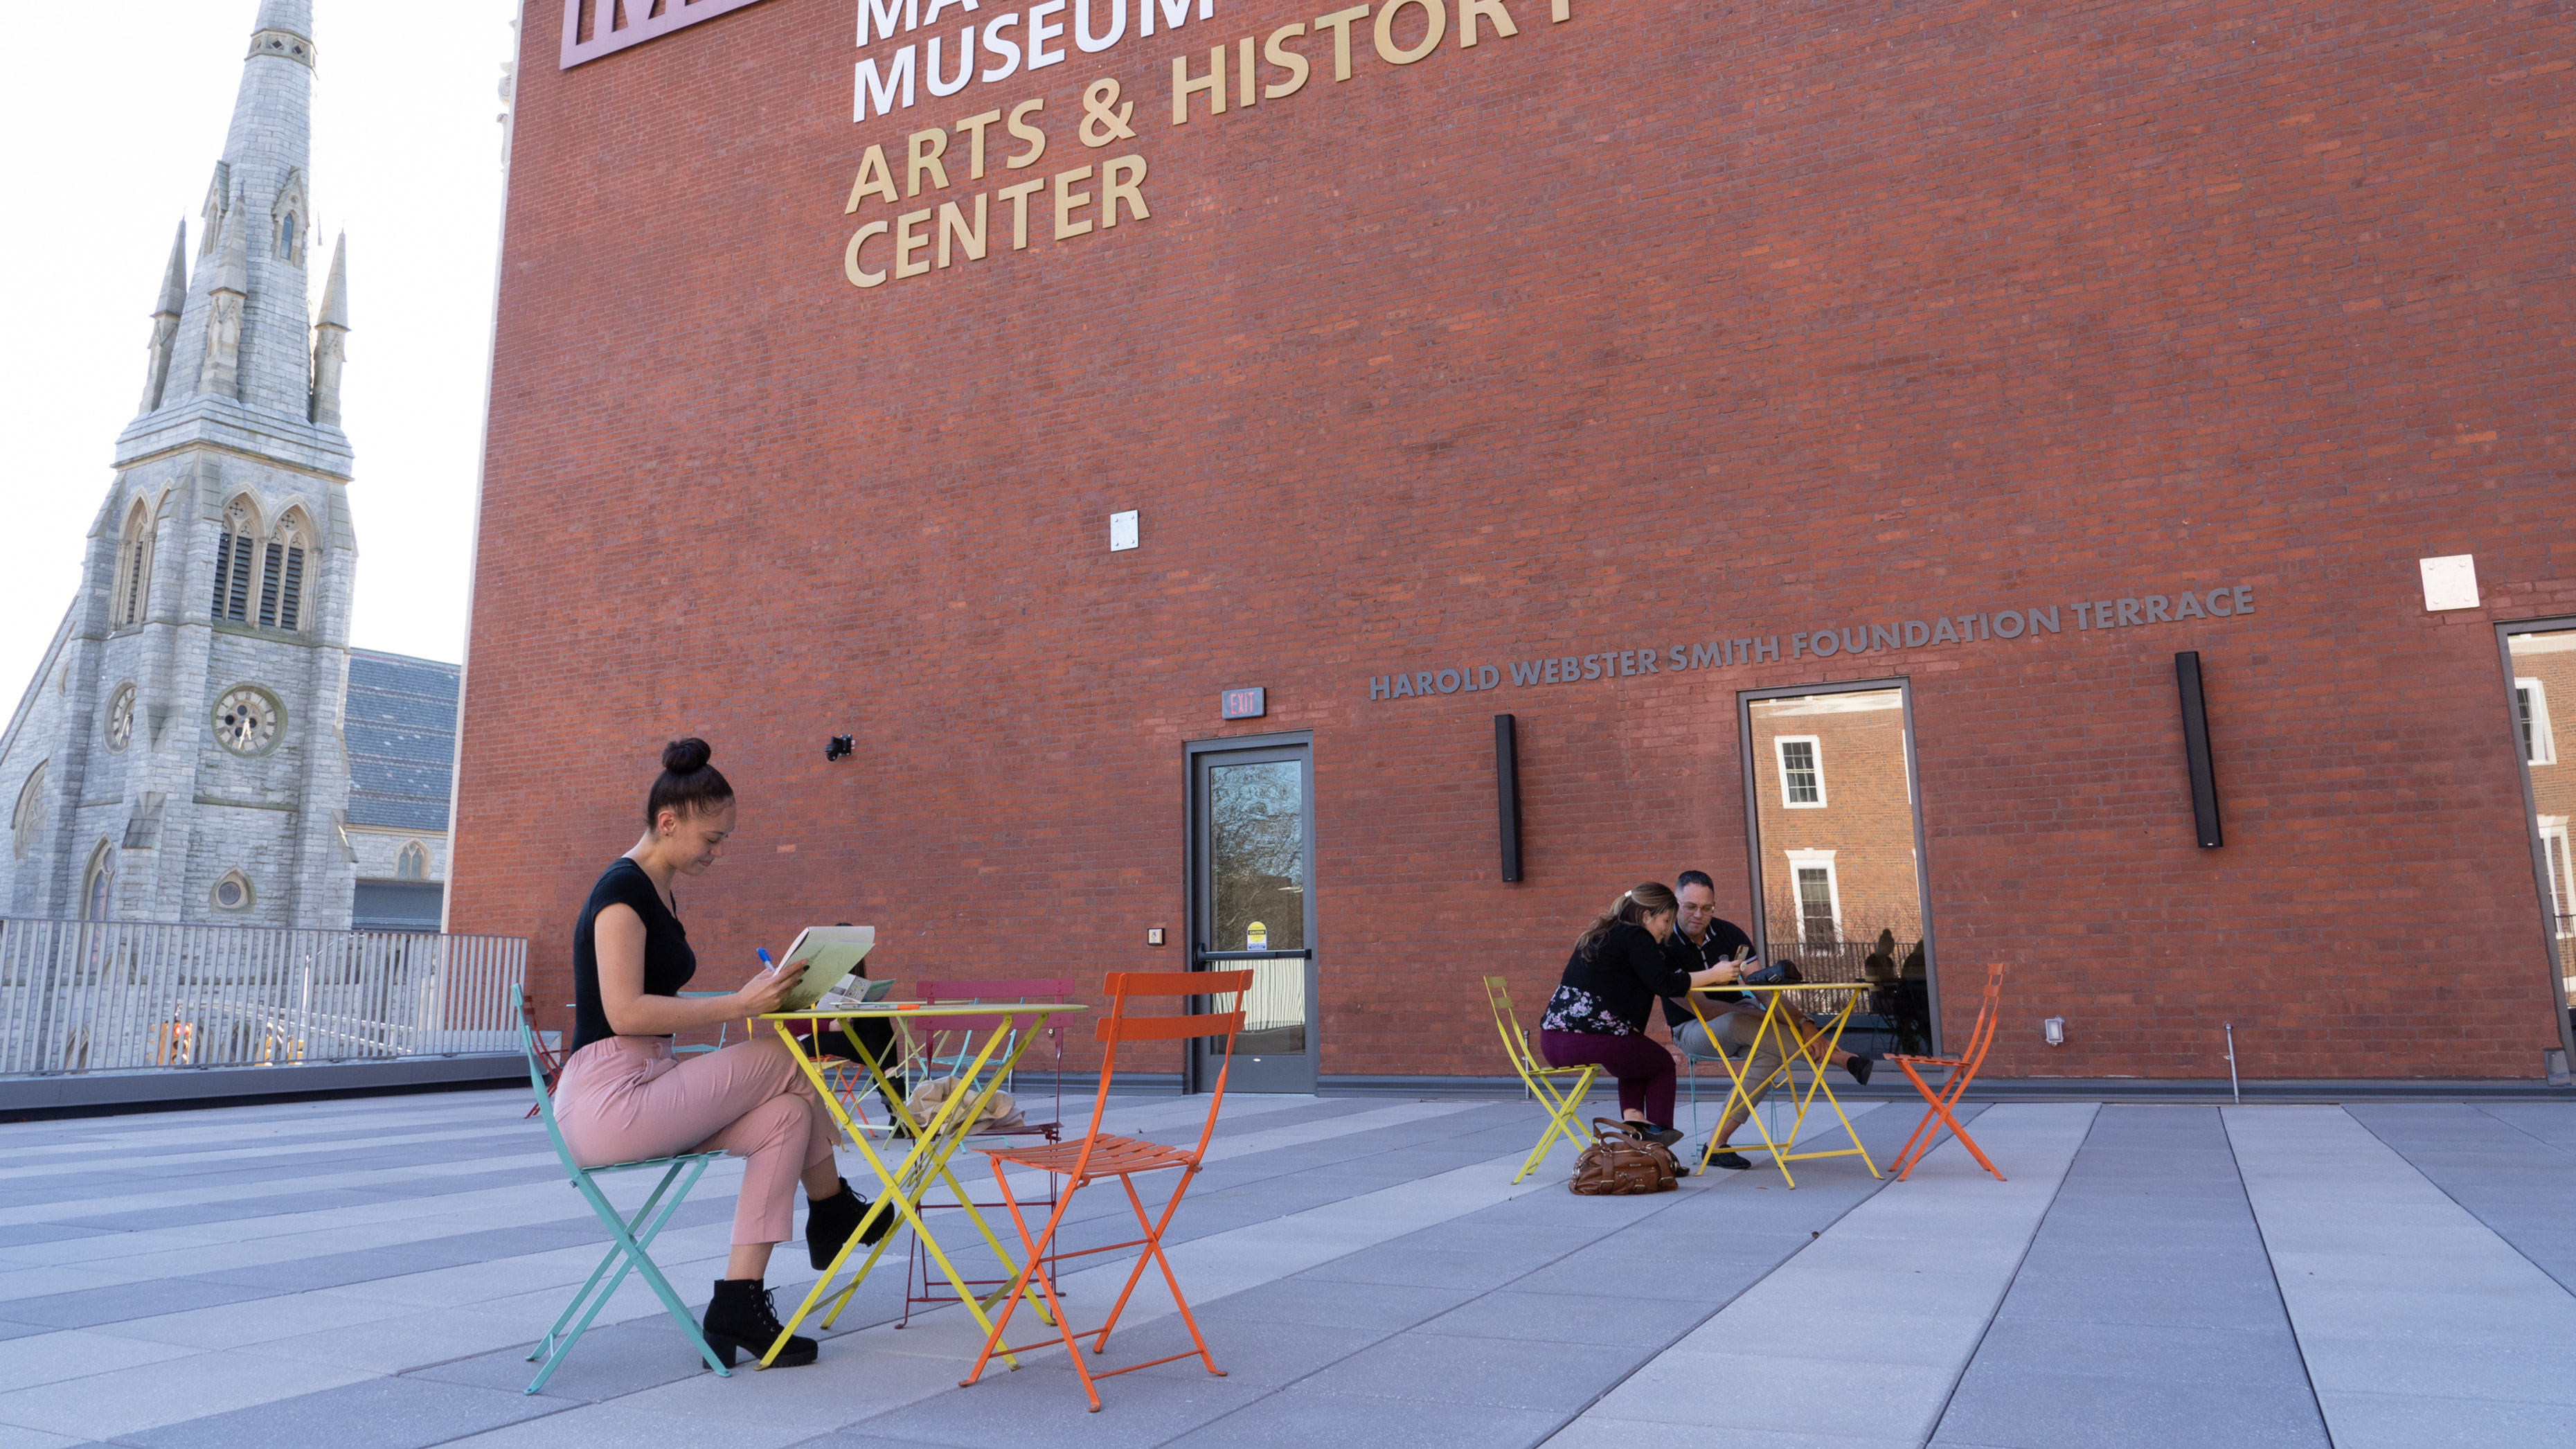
<point>1643,1067</point>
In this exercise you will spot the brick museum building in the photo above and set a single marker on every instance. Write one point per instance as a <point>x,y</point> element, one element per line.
<point>1859,447</point>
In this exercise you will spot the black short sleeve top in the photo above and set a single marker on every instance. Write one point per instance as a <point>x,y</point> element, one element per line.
<point>668,961</point>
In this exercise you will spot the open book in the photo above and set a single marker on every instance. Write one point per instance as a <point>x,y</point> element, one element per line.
<point>830,954</point>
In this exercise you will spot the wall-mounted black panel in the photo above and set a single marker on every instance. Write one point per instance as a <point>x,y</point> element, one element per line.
<point>2195,744</point>
<point>1507,793</point>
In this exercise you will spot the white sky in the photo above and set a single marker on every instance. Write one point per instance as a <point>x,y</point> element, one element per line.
<point>113,144</point>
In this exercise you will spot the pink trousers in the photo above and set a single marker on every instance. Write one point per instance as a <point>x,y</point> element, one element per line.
<point>628,1098</point>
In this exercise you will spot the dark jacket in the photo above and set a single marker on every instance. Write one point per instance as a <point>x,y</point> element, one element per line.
<point>1625,973</point>
<point>1725,938</point>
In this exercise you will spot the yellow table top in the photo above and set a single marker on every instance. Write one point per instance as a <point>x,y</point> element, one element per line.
<point>1789,986</point>
<point>924,1008</point>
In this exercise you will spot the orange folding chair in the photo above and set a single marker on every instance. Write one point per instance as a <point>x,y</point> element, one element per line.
<point>1098,1155</point>
<point>1963,1070</point>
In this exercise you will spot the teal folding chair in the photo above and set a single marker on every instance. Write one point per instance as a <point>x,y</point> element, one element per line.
<point>629,1238</point>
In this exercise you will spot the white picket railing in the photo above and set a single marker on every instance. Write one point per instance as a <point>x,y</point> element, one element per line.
<point>90,996</point>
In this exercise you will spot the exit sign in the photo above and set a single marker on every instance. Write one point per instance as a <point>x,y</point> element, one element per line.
<point>1244,703</point>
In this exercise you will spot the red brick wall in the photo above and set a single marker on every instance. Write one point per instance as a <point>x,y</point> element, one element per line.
<point>1667,323</point>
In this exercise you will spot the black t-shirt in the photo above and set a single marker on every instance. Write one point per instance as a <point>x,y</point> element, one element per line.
<point>668,961</point>
<point>1724,939</point>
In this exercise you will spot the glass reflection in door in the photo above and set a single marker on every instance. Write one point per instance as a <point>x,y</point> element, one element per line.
<point>1835,832</point>
<point>2544,686</point>
<point>1254,855</point>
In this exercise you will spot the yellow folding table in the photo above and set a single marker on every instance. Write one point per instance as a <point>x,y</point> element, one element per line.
<point>1779,1003</point>
<point>903,1185</point>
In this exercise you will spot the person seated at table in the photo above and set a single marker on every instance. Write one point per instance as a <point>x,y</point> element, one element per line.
<point>1702,940</point>
<point>623,1096</point>
<point>1599,1012</point>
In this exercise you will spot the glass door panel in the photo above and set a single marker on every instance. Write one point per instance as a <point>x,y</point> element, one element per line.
<point>1839,877</point>
<point>2544,687</point>
<point>1252,854</point>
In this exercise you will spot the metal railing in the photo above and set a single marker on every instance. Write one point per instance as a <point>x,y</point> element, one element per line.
<point>92,996</point>
<point>1278,996</point>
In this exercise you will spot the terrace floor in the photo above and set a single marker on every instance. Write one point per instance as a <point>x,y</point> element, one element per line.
<point>370,1273</point>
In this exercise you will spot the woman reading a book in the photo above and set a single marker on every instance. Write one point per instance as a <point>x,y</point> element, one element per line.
<point>623,1096</point>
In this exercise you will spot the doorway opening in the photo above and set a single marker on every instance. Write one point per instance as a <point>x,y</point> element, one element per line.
<point>2540,665</point>
<point>1252,901</point>
<point>1837,851</point>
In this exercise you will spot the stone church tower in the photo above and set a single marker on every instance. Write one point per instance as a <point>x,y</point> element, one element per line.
<point>180,756</point>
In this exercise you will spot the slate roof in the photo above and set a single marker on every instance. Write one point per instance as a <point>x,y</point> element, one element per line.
<point>402,740</point>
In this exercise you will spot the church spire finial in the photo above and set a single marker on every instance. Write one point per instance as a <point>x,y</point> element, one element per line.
<point>328,338</point>
<point>165,320</point>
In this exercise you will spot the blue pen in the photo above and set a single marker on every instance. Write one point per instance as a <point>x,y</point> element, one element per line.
<point>765,963</point>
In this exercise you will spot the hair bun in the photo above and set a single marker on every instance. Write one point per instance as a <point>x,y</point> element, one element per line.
<point>687,757</point>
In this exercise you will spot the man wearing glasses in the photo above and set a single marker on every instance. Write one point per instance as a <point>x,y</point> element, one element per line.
<point>1701,940</point>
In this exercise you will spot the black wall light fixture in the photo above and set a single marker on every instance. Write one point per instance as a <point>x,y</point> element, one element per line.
<point>2195,745</point>
<point>839,747</point>
<point>1507,793</point>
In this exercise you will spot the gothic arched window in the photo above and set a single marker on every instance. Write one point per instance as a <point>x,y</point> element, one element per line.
<point>413,863</point>
<point>27,823</point>
<point>235,562</point>
<point>98,888</point>
<point>133,570</point>
<point>288,213</point>
<point>281,587</point>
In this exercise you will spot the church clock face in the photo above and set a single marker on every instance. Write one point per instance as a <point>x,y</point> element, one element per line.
<point>120,719</point>
<point>246,722</point>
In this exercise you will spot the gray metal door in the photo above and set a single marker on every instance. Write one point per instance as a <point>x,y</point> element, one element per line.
<point>1252,902</point>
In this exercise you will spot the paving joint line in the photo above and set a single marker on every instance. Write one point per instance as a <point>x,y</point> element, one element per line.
<point>2306,1373</point>
<point>2438,1186</point>
<point>1815,1237</point>
<point>2019,1263</point>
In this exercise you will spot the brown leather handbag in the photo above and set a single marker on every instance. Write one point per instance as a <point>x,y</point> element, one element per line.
<point>1619,1163</point>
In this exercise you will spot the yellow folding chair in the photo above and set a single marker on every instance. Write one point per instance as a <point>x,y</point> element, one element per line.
<point>1563,1104</point>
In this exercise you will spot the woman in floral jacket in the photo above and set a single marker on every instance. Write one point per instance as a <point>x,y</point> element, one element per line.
<point>1598,1016</point>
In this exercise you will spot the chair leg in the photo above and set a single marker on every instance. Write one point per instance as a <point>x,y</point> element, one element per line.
<point>1032,1267</point>
<point>1561,1108</point>
<point>1171,1280</point>
<point>1961,1133</point>
<point>1916,1142</point>
<point>628,1250</point>
<point>1937,1116</point>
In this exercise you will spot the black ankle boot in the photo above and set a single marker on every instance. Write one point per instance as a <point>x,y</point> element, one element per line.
<point>741,1316</point>
<point>830,1221</point>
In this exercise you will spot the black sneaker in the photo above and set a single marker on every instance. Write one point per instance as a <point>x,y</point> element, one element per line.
<point>1731,1161</point>
<point>1859,1067</point>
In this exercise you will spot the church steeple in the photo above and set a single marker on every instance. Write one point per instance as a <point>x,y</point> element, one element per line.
<point>165,320</point>
<point>262,186</point>
<point>202,679</point>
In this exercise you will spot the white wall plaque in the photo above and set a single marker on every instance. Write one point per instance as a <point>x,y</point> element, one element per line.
<point>1122,531</point>
<point>2450,582</point>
